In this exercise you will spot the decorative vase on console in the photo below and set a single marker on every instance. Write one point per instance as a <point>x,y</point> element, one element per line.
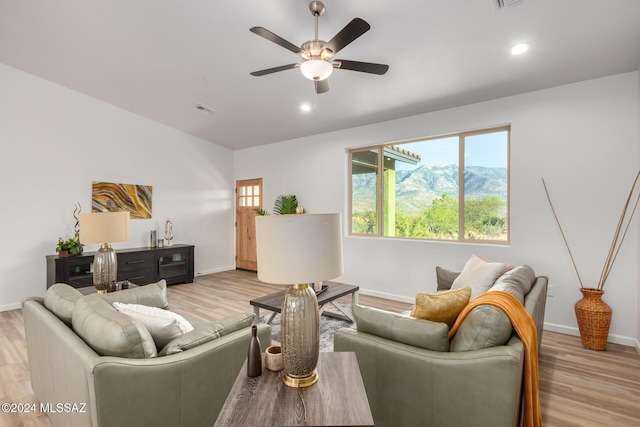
<point>168,232</point>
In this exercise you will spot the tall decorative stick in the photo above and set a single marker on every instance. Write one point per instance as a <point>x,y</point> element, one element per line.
<point>615,245</point>
<point>566,244</point>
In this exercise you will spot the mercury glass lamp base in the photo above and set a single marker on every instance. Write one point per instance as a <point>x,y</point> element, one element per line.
<point>105,268</point>
<point>300,338</point>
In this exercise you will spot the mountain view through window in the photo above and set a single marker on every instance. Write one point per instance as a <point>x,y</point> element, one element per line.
<point>415,189</point>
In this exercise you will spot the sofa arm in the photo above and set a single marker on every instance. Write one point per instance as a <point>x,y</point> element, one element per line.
<point>411,386</point>
<point>183,389</point>
<point>535,304</point>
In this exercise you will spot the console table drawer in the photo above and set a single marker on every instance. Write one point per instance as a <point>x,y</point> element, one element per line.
<point>135,261</point>
<point>138,277</point>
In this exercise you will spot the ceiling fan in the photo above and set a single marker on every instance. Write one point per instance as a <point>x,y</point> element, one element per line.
<point>318,62</point>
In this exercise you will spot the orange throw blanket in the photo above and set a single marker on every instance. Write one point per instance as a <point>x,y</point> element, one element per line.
<point>526,330</point>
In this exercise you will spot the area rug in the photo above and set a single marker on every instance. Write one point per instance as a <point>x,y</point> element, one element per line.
<point>328,326</point>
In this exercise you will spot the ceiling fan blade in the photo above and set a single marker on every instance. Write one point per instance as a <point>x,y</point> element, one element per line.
<point>274,69</point>
<point>364,67</point>
<point>349,33</point>
<point>263,32</point>
<point>322,86</point>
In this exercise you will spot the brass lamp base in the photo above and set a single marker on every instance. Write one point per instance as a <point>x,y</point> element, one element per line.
<point>298,382</point>
<point>101,291</point>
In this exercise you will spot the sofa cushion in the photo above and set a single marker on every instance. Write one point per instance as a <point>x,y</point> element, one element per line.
<point>61,299</point>
<point>485,326</point>
<point>488,326</point>
<point>443,306</point>
<point>396,327</point>
<point>109,332</point>
<point>517,281</point>
<point>152,295</point>
<point>163,325</point>
<point>205,332</point>
<point>445,278</point>
<point>480,275</point>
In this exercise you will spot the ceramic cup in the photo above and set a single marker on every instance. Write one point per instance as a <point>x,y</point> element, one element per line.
<point>273,358</point>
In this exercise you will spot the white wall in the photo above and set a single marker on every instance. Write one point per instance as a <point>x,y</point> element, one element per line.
<point>55,142</point>
<point>582,138</point>
<point>638,220</point>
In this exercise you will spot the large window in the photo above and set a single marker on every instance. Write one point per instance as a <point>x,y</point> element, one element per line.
<point>453,187</point>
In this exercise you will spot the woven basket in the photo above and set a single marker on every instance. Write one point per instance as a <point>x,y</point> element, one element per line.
<point>594,318</point>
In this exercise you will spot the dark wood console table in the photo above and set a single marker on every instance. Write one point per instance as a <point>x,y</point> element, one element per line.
<point>138,265</point>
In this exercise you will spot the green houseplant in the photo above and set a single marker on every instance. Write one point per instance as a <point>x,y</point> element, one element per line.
<point>283,205</point>
<point>69,247</point>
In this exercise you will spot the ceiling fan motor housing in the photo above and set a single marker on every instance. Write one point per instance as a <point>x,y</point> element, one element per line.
<point>315,49</point>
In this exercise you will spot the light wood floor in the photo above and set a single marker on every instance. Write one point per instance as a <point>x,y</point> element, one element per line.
<point>578,387</point>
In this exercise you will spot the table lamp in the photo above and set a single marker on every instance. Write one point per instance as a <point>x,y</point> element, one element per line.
<point>298,250</point>
<point>104,228</point>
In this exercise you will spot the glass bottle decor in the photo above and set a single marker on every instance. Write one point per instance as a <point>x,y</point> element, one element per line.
<point>254,359</point>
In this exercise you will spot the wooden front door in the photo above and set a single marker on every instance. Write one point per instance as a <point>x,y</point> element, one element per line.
<point>248,199</point>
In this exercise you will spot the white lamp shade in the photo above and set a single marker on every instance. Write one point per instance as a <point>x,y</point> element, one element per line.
<point>104,227</point>
<point>296,249</point>
<point>316,69</point>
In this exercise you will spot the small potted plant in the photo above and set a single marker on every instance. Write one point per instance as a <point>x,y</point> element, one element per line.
<point>284,205</point>
<point>69,247</point>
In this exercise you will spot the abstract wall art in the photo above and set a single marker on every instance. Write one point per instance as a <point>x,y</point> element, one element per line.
<point>111,197</point>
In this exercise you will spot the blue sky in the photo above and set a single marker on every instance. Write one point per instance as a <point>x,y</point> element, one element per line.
<point>489,150</point>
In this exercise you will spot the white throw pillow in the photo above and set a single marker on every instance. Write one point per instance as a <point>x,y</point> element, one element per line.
<point>163,325</point>
<point>480,275</point>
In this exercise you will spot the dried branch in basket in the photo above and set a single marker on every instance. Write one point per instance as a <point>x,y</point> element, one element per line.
<point>615,245</point>
<point>623,226</point>
<point>564,239</point>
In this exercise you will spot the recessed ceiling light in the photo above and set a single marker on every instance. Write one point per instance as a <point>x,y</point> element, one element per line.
<point>519,49</point>
<point>305,107</point>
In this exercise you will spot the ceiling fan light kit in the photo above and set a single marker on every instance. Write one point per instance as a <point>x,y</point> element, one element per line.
<point>317,55</point>
<point>316,69</point>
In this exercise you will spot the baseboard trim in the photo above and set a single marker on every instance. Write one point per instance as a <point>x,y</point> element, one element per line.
<point>571,330</point>
<point>638,346</point>
<point>215,270</point>
<point>9,307</point>
<point>385,295</point>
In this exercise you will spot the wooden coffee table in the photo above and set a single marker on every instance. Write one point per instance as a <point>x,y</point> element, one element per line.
<point>273,302</point>
<point>337,399</point>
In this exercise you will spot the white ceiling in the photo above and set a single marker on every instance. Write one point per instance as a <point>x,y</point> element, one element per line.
<point>158,58</point>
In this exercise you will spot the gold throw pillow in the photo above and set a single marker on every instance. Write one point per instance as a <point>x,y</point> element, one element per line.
<point>443,306</point>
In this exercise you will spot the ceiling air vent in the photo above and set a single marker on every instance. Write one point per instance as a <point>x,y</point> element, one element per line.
<point>503,3</point>
<point>204,109</point>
